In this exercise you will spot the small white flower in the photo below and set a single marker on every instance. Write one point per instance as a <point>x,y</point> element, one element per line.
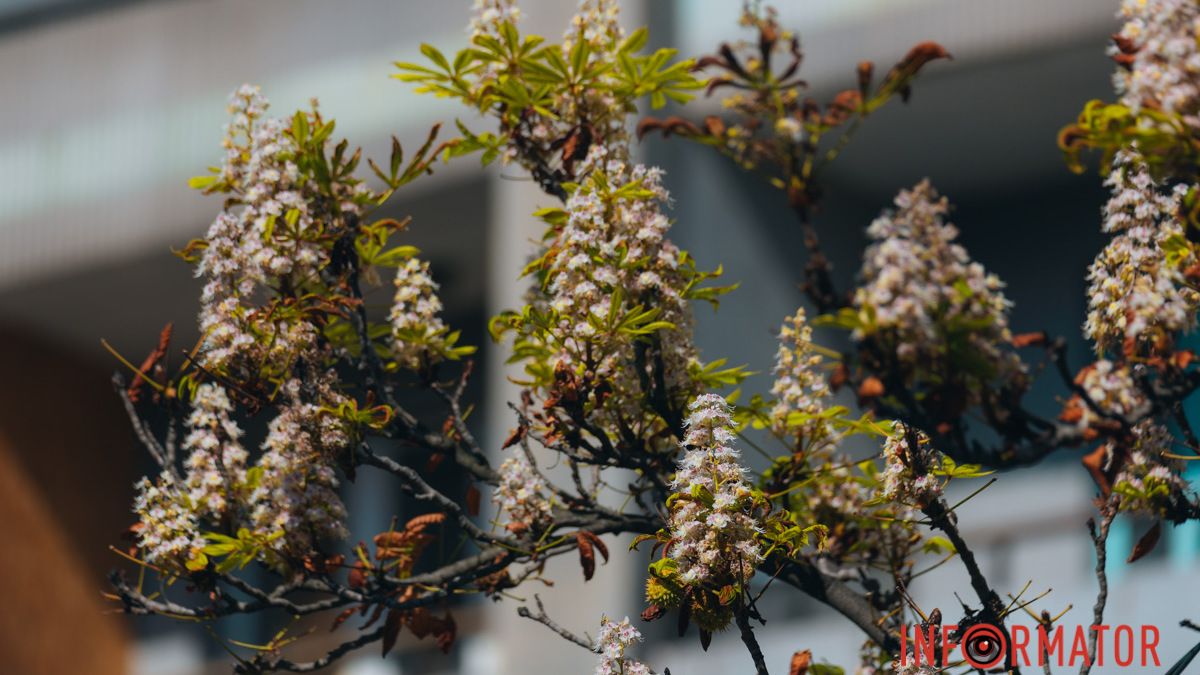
<point>611,643</point>
<point>416,314</point>
<point>521,494</point>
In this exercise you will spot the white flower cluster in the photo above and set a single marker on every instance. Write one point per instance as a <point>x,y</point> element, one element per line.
<point>487,15</point>
<point>842,494</point>
<point>296,501</point>
<point>1134,294</point>
<point>616,245</point>
<point>170,513</point>
<point>911,668</point>
<point>240,253</point>
<point>1148,482</point>
<point>713,534</point>
<point>596,23</point>
<point>1165,69</point>
<point>799,387</point>
<point>521,495</point>
<point>416,314</point>
<point>613,640</point>
<point>921,287</point>
<point>216,463</point>
<point>169,534</point>
<point>907,476</point>
<point>1112,388</point>
<point>269,231</point>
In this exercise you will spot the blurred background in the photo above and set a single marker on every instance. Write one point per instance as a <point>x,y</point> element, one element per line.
<point>110,105</point>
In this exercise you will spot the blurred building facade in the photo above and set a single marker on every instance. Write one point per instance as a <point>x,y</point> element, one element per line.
<point>113,105</point>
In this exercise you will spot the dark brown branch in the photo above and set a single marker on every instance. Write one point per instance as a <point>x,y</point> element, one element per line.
<point>422,491</point>
<point>743,623</point>
<point>942,518</point>
<point>852,605</point>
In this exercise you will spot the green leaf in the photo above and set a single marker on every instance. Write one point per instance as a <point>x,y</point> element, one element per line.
<point>395,257</point>
<point>434,55</point>
<point>636,40</point>
<point>664,567</point>
<point>202,182</point>
<point>1177,248</point>
<point>937,544</point>
<point>637,541</point>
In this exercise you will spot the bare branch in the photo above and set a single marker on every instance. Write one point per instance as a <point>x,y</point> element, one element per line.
<point>142,430</point>
<point>544,619</point>
<point>1100,542</point>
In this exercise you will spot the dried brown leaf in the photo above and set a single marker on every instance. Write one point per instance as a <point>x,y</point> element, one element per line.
<point>800,662</point>
<point>872,387</point>
<point>472,500</point>
<point>391,630</point>
<point>587,555</point>
<point>1146,544</point>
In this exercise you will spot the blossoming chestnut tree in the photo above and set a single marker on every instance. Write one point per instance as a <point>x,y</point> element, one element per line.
<point>235,522</point>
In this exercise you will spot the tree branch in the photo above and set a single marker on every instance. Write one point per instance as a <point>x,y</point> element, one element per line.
<point>1100,541</point>
<point>544,619</point>
<point>743,623</point>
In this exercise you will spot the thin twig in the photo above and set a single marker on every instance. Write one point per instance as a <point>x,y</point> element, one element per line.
<point>1100,541</point>
<point>544,619</point>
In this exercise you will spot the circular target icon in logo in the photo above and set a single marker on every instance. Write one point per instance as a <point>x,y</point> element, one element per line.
<point>984,646</point>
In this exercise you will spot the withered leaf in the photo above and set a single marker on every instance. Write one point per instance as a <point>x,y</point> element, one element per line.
<point>653,613</point>
<point>839,377</point>
<point>421,522</point>
<point>597,542</point>
<point>1028,339</point>
<point>515,436</point>
<point>714,125</point>
<point>1146,544</point>
<point>1124,44</point>
<point>800,662</point>
<point>341,618</point>
<point>727,594</point>
<point>1072,412</point>
<point>358,576</point>
<point>871,387</point>
<point>587,556</point>
<point>391,630</point>
<point>164,342</point>
<point>865,71</point>
<point>1094,463</point>
<point>1183,358</point>
<point>435,460</point>
<point>472,500</point>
